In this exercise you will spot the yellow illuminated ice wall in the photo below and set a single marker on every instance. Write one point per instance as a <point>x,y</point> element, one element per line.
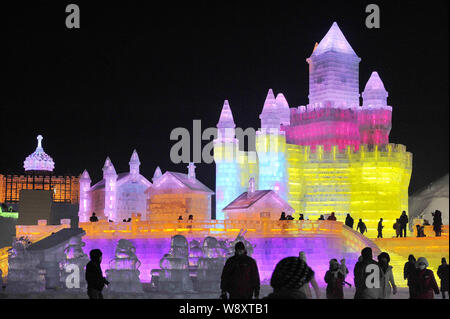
<point>332,155</point>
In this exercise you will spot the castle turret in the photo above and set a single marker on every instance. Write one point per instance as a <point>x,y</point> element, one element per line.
<point>271,148</point>
<point>226,148</point>
<point>375,116</point>
<point>110,177</point>
<point>191,171</point>
<point>270,116</point>
<point>39,161</point>
<point>374,93</point>
<point>134,163</point>
<point>334,71</point>
<point>283,109</point>
<point>85,204</point>
<point>157,174</point>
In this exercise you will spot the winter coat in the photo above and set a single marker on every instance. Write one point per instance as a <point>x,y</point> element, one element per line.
<point>403,220</point>
<point>387,281</point>
<point>286,294</point>
<point>424,284</point>
<point>94,276</point>
<point>443,275</point>
<point>335,284</point>
<point>240,277</point>
<point>408,271</point>
<point>349,222</point>
<point>331,217</point>
<point>360,275</point>
<point>362,227</point>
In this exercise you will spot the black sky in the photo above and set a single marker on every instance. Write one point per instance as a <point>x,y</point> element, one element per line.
<point>135,71</point>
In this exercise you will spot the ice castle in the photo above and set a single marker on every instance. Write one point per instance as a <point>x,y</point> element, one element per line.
<point>332,155</point>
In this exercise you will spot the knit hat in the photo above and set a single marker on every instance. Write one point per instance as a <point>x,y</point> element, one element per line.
<point>291,273</point>
<point>422,260</point>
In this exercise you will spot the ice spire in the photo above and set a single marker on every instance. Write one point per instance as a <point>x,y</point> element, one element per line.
<point>374,93</point>
<point>226,123</point>
<point>251,187</point>
<point>335,41</point>
<point>270,118</point>
<point>134,163</point>
<point>157,174</point>
<point>283,109</point>
<point>85,175</point>
<point>108,168</point>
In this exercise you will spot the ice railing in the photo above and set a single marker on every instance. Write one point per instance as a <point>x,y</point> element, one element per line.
<point>258,228</point>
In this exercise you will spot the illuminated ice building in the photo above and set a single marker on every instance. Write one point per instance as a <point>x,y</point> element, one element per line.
<point>332,155</point>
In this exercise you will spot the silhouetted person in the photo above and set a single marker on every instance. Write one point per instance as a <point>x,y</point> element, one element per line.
<point>426,222</point>
<point>361,226</point>
<point>331,217</point>
<point>240,276</point>
<point>124,220</point>
<point>335,281</point>
<point>387,276</point>
<point>313,283</point>
<point>420,230</point>
<point>289,217</point>
<point>403,224</point>
<point>290,274</point>
<point>437,223</point>
<point>423,280</point>
<point>349,221</point>
<point>408,272</point>
<point>443,276</point>
<point>396,226</point>
<point>301,217</point>
<point>94,276</point>
<point>380,228</point>
<point>129,220</point>
<point>180,217</point>
<point>93,218</point>
<point>364,267</point>
<point>191,217</point>
<point>321,217</point>
<point>283,216</point>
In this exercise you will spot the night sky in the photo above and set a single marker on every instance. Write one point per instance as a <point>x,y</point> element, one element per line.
<point>134,72</point>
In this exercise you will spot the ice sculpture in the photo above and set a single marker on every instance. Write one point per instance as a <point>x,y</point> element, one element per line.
<point>23,274</point>
<point>210,266</point>
<point>39,160</point>
<point>332,155</point>
<point>174,273</point>
<point>123,273</point>
<point>195,252</point>
<point>75,261</point>
<point>240,238</point>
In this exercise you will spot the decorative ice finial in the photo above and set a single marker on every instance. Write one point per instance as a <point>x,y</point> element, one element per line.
<point>107,163</point>
<point>39,160</point>
<point>191,170</point>
<point>39,138</point>
<point>335,41</point>
<point>251,186</point>
<point>157,174</point>
<point>374,93</point>
<point>85,175</point>
<point>226,117</point>
<point>108,168</point>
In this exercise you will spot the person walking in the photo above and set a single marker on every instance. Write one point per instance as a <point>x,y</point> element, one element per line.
<point>388,286</point>
<point>408,272</point>
<point>364,267</point>
<point>94,276</point>
<point>335,281</point>
<point>290,274</point>
<point>380,228</point>
<point>443,276</point>
<point>349,221</point>
<point>361,226</point>
<point>306,287</point>
<point>437,223</point>
<point>403,224</point>
<point>423,280</point>
<point>240,276</point>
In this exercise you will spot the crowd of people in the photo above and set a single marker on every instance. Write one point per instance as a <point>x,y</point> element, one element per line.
<point>400,226</point>
<point>293,278</point>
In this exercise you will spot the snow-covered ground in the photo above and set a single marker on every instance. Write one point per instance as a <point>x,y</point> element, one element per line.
<point>265,290</point>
